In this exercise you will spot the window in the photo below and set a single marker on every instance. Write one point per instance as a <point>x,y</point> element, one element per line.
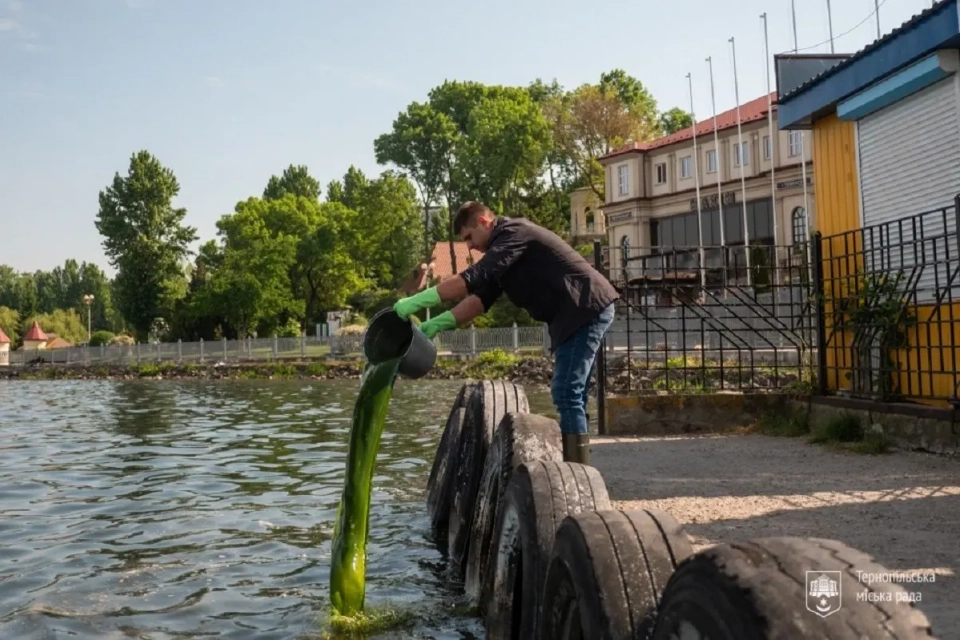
<point>741,150</point>
<point>767,148</point>
<point>686,167</point>
<point>623,178</point>
<point>662,173</point>
<point>796,143</point>
<point>589,219</point>
<point>799,221</point>
<point>712,161</point>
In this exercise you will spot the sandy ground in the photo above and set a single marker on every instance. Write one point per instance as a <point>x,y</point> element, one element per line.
<point>902,508</point>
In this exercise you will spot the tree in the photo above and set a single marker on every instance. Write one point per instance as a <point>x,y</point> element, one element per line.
<point>145,240</point>
<point>296,180</point>
<point>675,119</point>
<point>420,143</point>
<point>10,324</point>
<point>633,95</point>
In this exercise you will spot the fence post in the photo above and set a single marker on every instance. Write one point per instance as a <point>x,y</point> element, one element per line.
<point>201,350</point>
<point>275,347</point>
<point>473,340</point>
<point>303,345</point>
<point>516,337</point>
<point>102,350</point>
<point>179,350</point>
<point>137,345</point>
<point>224,349</point>
<point>159,354</point>
<point>601,360</point>
<point>546,339</point>
<point>818,277</point>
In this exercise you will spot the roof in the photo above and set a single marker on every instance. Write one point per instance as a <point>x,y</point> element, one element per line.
<point>4,339</point>
<point>440,266</point>
<point>928,31</point>
<point>876,44</point>
<point>749,112</point>
<point>58,343</point>
<point>35,333</point>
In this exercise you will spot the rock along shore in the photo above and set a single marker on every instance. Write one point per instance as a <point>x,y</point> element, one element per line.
<point>692,377</point>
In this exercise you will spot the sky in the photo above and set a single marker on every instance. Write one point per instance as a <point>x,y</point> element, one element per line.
<point>227,93</point>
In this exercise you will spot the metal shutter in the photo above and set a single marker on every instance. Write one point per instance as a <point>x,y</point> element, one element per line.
<point>909,157</point>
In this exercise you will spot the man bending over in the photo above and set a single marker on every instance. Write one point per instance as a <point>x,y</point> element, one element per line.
<point>543,274</point>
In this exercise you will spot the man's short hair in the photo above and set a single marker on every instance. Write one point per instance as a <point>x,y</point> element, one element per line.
<point>468,213</point>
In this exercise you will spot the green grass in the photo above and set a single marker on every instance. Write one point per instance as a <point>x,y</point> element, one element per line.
<point>843,432</point>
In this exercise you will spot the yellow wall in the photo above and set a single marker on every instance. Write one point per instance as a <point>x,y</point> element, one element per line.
<point>837,197</point>
<point>933,342</point>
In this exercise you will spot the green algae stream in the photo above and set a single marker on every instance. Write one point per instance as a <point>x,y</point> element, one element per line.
<point>163,509</point>
<point>348,563</point>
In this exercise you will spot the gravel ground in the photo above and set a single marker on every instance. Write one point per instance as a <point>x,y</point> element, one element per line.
<point>902,508</point>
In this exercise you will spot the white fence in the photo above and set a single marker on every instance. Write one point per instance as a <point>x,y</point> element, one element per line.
<point>459,342</point>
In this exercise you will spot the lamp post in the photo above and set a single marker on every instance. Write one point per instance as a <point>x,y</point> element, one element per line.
<point>88,300</point>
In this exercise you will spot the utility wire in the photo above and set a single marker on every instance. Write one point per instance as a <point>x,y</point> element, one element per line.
<point>845,33</point>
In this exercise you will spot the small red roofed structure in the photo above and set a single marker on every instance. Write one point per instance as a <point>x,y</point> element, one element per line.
<point>35,338</point>
<point>4,348</point>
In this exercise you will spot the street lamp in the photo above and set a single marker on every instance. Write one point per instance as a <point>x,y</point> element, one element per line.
<point>88,300</point>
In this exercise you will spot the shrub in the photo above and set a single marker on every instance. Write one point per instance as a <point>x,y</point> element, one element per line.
<point>101,337</point>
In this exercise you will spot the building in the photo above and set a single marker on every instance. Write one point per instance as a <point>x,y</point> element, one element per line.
<point>651,203</point>
<point>4,349</point>
<point>886,133</point>
<point>587,221</point>
<point>35,338</point>
<point>441,266</point>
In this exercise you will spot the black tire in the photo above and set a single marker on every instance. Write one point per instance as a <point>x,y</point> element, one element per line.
<point>521,438</point>
<point>485,408</point>
<point>442,472</point>
<point>607,572</point>
<point>540,495</point>
<point>756,590</point>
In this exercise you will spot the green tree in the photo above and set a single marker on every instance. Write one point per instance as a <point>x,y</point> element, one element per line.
<point>10,323</point>
<point>145,239</point>
<point>296,180</point>
<point>65,323</point>
<point>675,119</point>
<point>420,143</point>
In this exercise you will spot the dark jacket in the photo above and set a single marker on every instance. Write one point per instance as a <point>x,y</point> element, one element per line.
<point>541,273</point>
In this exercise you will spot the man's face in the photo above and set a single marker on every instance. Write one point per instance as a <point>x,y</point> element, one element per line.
<point>477,235</point>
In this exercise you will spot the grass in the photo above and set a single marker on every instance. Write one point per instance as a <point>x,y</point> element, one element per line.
<point>844,432</point>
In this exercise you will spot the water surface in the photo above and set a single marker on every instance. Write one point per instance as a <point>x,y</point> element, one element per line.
<point>202,509</point>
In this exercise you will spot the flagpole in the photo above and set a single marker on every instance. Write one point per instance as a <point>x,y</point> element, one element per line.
<point>830,25</point>
<point>876,12</point>
<point>719,156</point>
<point>696,182</point>
<point>803,160</point>
<point>774,156</point>
<point>743,177</point>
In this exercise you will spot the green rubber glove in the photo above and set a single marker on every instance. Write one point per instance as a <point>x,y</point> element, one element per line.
<point>406,307</point>
<point>435,325</point>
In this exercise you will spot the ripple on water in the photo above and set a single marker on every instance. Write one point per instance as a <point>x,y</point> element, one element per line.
<point>162,509</point>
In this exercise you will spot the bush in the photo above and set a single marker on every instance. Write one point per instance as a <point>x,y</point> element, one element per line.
<point>123,339</point>
<point>351,330</point>
<point>101,337</point>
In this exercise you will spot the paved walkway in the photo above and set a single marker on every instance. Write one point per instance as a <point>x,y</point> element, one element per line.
<point>902,508</point>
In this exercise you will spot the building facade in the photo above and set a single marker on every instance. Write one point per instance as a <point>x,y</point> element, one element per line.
<point>587,222</point>
<point>651,190</point>
<point>886,129</point>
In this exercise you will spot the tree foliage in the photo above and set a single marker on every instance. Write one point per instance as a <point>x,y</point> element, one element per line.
<point>284,258</point>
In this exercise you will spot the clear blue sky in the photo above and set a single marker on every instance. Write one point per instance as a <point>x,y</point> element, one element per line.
<point>228,92</point>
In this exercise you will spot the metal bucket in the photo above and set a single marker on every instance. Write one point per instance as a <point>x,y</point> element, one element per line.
<point>389,336</point>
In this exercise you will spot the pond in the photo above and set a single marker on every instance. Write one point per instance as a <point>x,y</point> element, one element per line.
<point>168,509</point>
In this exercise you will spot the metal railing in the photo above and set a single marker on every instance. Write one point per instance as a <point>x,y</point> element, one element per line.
<point>701,321</point>
<point>469,342</point>
<point>891,308</point>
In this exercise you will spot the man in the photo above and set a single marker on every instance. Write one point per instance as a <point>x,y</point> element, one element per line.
<point>543,274</point>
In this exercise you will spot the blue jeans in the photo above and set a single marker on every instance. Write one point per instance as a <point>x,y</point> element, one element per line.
<point>572,367</point>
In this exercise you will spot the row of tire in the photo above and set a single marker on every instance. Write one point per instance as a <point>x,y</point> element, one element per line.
<point>543,554</point>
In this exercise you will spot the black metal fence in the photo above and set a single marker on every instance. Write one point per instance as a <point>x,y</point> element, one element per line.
<point>710,321</point>
<point>890,312</point>
<point>881,301</point>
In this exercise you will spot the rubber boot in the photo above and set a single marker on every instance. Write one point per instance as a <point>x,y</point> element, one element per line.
<point>576,447</point>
